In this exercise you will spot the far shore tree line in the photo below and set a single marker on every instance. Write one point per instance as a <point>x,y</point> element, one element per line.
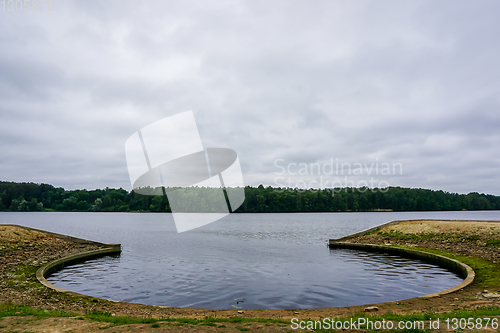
<point>44,197</point>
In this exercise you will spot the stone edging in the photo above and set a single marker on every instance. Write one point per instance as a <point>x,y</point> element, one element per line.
<point>53,265</point>
<point>456,266</point>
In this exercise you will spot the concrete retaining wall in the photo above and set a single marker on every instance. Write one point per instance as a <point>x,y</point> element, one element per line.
<point>45,270</point>
<point>453,265</point>
<point>62,262</point>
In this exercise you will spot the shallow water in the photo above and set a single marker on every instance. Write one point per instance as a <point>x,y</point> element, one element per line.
<point>249,261</point>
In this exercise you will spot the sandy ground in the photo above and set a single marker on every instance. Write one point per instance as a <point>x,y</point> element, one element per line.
<point>32,324</point>
<point>465,237</point>
<point>25,250</point>
<point>433,226</point>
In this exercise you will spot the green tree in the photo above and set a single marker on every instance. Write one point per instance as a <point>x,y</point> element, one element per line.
<point>83,206</point>
<point>96,207</point>
<point>33,204</point>
<point>23,206</point>
<point>14,206</point>
<point>70,203</point>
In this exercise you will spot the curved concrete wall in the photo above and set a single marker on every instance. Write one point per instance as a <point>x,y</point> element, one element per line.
<point>462,269</point>
<point>454,265</point>
<point>43,271</point>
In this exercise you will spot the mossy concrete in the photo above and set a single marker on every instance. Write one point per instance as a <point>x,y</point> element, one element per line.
<point>45,270</point>
<point>58,264</point>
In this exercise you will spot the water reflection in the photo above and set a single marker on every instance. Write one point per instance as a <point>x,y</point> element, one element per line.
<point>345,277</point>
<point>271,260</point>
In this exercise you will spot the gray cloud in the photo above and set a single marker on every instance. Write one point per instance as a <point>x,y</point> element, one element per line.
<point>414,83</point>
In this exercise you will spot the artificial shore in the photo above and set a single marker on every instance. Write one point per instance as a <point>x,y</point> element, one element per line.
<point>27,255</point>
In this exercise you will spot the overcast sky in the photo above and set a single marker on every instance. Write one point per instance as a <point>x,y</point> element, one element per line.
<point>414,84</point>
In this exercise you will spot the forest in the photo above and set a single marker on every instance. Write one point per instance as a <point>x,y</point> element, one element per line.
<point>45,197</point>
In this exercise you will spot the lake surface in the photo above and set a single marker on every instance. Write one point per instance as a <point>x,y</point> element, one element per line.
<point>248,261</point>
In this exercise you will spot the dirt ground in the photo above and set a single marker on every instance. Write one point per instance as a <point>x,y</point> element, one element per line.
<point>463,237</point>
<point>24,250</point>
<point>428,226</point>
<point>32,324</point>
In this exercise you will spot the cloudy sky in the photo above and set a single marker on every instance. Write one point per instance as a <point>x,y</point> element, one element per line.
<point>414,84</point>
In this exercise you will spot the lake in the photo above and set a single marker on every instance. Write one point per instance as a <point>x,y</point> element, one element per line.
<point>247,261</point>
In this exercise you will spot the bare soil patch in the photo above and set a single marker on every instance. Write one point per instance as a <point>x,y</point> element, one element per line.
<point>472,238</point>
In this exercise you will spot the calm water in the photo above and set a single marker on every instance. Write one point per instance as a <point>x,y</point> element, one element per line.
<point>252,261</point>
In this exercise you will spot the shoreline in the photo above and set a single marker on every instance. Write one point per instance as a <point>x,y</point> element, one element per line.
<point>24,254</point>
<point>375,210</point>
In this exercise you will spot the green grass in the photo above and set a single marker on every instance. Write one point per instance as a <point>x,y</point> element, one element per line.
<point>24,277</point>
<point>493,242</point>
<point>11,310</point>
<point>209,324</point>
<point>377,229</point>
